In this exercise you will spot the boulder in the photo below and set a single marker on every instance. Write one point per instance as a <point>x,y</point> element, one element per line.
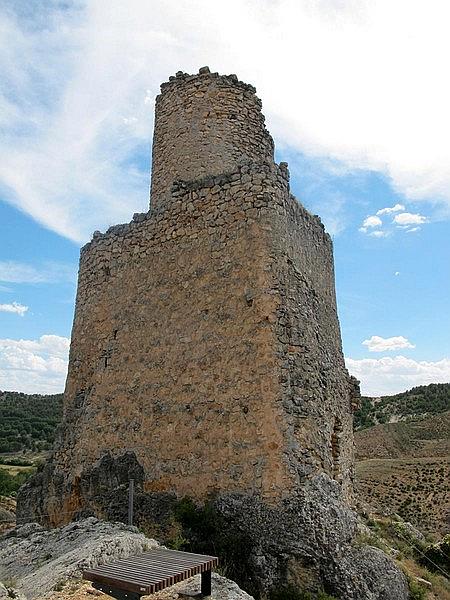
<point>37,559</point>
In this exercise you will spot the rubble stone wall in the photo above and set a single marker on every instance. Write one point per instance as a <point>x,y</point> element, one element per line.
<point>206,357</point>
<point>208,346</point>
<point>315,385</point>
<point>172,346</point>
<point>205,124</point>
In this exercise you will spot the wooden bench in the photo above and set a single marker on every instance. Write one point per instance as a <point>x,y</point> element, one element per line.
<point>136,576</point>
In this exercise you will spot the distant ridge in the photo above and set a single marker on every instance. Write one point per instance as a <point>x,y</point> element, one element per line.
<point>419,402</point>
<point>28,421</point>
<point>422,437</point>
<point>403,455</point>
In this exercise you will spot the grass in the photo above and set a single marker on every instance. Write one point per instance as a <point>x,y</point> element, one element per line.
<point>390,535</point>
<point>14,469</point>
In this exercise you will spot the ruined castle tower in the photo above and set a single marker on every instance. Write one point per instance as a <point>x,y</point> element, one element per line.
<point>206,356</point>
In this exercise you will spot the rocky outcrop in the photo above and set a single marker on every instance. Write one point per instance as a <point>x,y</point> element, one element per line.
<point>309,543</point>
<point>36,561</point>
<point>223,588</point>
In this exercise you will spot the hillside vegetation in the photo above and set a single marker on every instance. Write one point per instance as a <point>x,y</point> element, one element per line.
<point>424,437</point>
<point>28,421</point>
<point>421,401</point>
<point>417,489</point>
<point>403,466</point>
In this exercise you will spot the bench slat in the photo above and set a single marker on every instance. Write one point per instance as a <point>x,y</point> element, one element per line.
<point>151,571</point>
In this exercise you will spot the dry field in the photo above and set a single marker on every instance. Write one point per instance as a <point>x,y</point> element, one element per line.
<point>415,488</point>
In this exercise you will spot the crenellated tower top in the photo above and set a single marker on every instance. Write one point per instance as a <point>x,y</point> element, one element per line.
<point>205,124</point>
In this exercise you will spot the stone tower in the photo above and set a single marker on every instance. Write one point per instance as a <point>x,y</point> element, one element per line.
<point>206,356</point>
<point>205,125</point>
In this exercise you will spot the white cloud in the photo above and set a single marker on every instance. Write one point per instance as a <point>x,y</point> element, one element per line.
<point>407,218</point>
<point>397,273</point>
<point>372,221</point>
<point>403,222</point>
<point>378,233</point>
<point>369,223</point>
<point>34,366</point>
<point>71,76</point>
<point>15,307</point>
<point>390,209</point>
<point>391,375</point>
<point>379,344</point>
<point>17,272</point>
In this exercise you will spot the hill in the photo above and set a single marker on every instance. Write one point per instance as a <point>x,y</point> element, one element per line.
<point>403,462</point>
<point>28,421</point>
<point>417,489</point>
<point>429,436</point>
<point>418,402</point>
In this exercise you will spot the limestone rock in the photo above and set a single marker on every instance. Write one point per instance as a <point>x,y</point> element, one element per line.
<point>38,559</point>
<point>366,573</point>
<point>222,588</point>
<point>10,593</point>
<point>309,540</point>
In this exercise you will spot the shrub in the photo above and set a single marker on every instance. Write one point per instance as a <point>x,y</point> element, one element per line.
<point>9,484</point>
<point>416,592</point>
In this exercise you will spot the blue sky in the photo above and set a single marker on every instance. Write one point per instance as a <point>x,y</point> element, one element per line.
<point>367,148</point>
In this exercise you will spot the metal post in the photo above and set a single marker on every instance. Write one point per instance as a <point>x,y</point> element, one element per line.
<point>130,501</point>
<point>206,583</point>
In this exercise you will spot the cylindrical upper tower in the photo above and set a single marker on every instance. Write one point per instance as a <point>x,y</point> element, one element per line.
<point>205,124</point>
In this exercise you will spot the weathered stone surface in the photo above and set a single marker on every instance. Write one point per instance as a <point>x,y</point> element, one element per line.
<point>213,389</point>
<point>10,593</point>
<point>308,542</point>
<point>205,125</point>
<point>222,588</point>
<point>206,357</point>
<point>37,559</point>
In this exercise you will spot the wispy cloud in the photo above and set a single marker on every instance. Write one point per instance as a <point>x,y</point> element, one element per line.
<point>49,272</point>
<point>34,366</point>
<point>77,78</point>
<point>390,209</point>
<point>406,218</point>
<point>15,307</point>
<point>318,190</point>
<point>402,221</point>
<point>372,221</point>
<point>391,375</point>
<point>378,233</point>
<point>380,344</point>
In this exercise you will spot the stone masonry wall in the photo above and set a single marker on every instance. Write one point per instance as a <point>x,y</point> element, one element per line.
<point>206,359</point>
<point>172,346</point>
<point>315,384</point>
<point>223,374</point>
<point>206,338</point>
<point>205,124</point>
